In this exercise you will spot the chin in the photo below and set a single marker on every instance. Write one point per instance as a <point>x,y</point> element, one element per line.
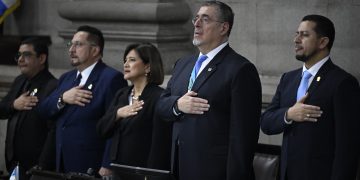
<point>302,58</point>
<point>74,64</point>
<point>196,42</point>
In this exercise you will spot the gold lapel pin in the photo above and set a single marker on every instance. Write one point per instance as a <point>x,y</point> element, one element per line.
<point>318,78</point>
<point>90,86</point>
<point>210,69</point>
<point>33,93</point>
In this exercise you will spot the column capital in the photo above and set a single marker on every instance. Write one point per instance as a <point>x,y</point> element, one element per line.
<point>146,12</point>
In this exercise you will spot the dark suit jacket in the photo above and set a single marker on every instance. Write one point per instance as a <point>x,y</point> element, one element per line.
<point>31,131</point>
<point>220,143</point>
<point>143,140</point>
<point>77,142</point>
<point>327,149</point>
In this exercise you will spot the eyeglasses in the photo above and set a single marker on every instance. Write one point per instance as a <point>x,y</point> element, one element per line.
<point>25,55</point>
<point>78,44</point>
<point>204,20</point>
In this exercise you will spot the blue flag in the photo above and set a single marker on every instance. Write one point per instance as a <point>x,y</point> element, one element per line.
<point>7,7</point>
<point>15,173</point>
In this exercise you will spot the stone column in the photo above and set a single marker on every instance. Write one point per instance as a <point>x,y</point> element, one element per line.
<point>124,22</point>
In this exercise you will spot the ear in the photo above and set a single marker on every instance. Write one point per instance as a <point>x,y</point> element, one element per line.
<point>324,41</point>
<point>224,28</point>
<point>95,50</point>
<point>147,68</point>
<point>42,58</point>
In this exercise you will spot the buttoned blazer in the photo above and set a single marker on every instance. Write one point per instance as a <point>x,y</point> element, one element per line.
<point>328,148</point>
<point>76,138</point>
<point>220,143</point>
<point>142,140</point>
<point>31,131</point>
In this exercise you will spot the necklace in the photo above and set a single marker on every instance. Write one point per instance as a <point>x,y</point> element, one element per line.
<point>133,95</point>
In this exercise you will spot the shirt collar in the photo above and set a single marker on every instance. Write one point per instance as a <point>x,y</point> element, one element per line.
<point>315,68</point>
<point>215,51</point>
<point>86,73</point>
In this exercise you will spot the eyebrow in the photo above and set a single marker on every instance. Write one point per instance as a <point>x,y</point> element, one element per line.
<point>27,52</point>
<point>203,15</point>
<point>302,31</point>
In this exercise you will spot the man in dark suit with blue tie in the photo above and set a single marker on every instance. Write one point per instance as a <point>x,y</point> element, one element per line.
<point>80,100</point>
<point>214,102</point>
<point>316,108</point>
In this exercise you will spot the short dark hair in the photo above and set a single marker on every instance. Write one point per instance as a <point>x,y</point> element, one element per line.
<point>324,27</point>
<point>149,55</point>
<point>226,14</point>
<point>95,36</point>
<point>40,47</point>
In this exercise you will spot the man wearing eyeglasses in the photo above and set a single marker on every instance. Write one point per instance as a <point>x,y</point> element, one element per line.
<point>27,133</point>
<point>80,100</point>
<point>214,102</point>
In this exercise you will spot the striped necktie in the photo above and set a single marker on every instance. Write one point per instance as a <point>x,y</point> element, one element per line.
<point>195,70</point>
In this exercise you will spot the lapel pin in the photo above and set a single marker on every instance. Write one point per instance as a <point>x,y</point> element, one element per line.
<point>90,86</point>
<point>210,69</point>
<point>318,78</point>
<point>33,93</point>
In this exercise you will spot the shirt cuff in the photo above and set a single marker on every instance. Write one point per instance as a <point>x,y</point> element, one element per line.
<point>176,110</point>
<point>286,120</point>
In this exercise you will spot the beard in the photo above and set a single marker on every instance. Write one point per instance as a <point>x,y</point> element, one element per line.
<point>196,42</point>
<point>304,58</point>
<point>75,63</point>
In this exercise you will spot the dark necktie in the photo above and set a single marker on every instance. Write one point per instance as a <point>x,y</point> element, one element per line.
<point>195,70</point>
<point>77,80</point>
<point>304,84</point>
<point>26,86</point>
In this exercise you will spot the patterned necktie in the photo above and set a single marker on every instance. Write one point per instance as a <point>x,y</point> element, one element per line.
<point>303,85</point>
<point>195,70</point>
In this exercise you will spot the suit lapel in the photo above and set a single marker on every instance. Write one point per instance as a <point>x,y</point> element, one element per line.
<point>210,68</point>
<point>320,76</point>
<point>94,75</point>
<point>184,74</point>
<point>89,85</point>
<point>295,84</point>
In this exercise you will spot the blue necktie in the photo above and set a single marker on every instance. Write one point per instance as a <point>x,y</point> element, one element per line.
<point>195,70</point>
<point>303,85</point>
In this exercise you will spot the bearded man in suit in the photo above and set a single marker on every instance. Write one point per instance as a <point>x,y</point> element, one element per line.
<point>80,100</point>
<point>316,108</point>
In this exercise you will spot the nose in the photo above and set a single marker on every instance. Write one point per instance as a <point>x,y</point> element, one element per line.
<point>197,22</point>
<point>71,48</point>
<point>297,38</point>
<point>21,58</point>
<point>126,64</point>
